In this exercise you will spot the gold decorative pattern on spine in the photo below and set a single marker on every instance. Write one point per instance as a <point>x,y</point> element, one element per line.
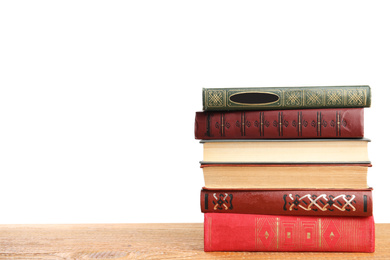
<point>261,123</point>
<point>232,93</point>
<point>345,202</point>
<point>319,233</point>
<point>215,98</point>
<point>356,97</point>
<point>334,97</point>
<point>243,123</point>
<point>299,124</point>
<point>280,124</point>
<point>294,98</point>
<point>319,119</point>
<point>314,97</point>
<point>338,126</point>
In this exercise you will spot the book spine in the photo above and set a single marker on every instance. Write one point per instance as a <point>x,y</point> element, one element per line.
<point>224,99</point>
<point>247,232</point>
<point>281,124</point>
<point>330,202</point>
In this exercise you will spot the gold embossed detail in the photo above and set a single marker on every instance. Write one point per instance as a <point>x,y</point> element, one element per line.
<point>334,97</point>
<point>293,98</point>
<point>319,232</point>
<point>234,93</point>
<point>266,233</point>
<point>355,97</point>
<point>299,123</point>
<point>341,202</point>
<point>222,201</point>
<point>314,97</point>
<point>215,98</point>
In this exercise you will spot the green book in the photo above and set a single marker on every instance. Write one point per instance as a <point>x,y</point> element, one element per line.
<point>272,98</point>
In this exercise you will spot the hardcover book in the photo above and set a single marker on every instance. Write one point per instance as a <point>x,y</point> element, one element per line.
<point>224,99</point>
<point>303,123</point>
<point>285,176</point>
<point>252,232</point>
<point>294,202</point>
<point>286,151</point>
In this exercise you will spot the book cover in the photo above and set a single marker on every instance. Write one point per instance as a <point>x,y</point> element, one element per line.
<point>252,232</point>
<point>294,202</point>
<point>303,123</point>
<point>225,99</point>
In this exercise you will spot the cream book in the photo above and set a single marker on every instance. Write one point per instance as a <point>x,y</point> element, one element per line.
<point>286,151</point>
<point>259,176</point>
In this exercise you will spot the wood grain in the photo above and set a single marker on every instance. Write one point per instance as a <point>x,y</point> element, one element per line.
<point>141,241</point>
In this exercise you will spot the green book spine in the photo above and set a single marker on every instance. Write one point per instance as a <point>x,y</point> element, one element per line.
<point>269,98</point>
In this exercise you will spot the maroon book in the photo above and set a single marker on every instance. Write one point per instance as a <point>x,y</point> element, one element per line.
<point>251,232</point>
<point>273,124</point>
<point>294,202</point>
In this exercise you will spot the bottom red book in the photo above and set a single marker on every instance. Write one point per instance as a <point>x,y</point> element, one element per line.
<point>249,232</point>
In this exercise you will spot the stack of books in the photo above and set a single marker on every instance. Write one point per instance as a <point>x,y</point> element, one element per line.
<point>285,169</point>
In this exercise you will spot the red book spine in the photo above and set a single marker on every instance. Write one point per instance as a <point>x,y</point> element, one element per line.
<point>275,124</point>
<point>300,202</point>
<point>247,232</point>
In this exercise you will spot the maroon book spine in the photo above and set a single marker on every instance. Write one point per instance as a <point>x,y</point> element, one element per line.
<point>252,232</point>
<point>293,202</point>
<point>274,124</point>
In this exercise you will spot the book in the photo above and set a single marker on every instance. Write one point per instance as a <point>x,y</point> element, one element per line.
<point>268,98</point>
<point>286,151</point>
<point>285,176</point>
<point>253,232</point>
<point>294,202</point>
<point>303,123</point>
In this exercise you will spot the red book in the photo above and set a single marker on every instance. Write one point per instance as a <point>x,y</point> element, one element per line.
<point>293,202</point>
<point>247,232</point>
<point>273,124</point>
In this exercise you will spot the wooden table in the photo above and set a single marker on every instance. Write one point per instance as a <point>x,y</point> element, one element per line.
<point>141,241</point>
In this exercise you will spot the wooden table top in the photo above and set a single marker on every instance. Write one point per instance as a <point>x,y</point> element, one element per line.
<point>141,241</point>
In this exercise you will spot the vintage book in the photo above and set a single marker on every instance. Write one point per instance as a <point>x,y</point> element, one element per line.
<point>285,176</point>
<point>286,151</point>
<point>252,232</point>
<point>303,123</point>
<point>225,99</point>
<point>294,202</point>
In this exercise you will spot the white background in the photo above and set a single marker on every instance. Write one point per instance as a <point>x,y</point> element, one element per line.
<point>98,98</point>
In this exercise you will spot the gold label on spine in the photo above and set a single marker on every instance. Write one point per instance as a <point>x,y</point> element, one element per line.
<point>320,233</point>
